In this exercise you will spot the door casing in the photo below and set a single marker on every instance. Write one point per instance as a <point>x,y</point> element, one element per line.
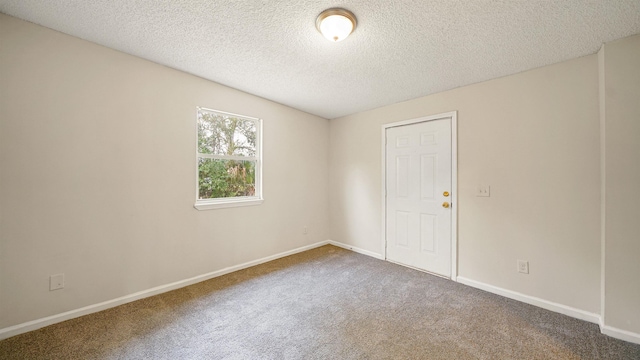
<point>453,115</point>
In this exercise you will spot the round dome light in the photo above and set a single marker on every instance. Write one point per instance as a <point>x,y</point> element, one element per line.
<point>336,24</point>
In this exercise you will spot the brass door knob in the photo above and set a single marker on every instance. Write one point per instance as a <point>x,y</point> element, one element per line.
<point>445,194</point>
<point>445,205</point>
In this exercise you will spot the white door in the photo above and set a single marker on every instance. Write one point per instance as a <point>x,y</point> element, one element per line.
<point>418,196</point>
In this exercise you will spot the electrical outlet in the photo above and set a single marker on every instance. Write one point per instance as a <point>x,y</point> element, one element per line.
<point>56,282</point>
<point>484,190</point>
<point>305,231</point>
<point>523,266</point>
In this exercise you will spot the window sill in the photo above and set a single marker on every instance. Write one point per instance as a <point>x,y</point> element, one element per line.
<point>227,203</point>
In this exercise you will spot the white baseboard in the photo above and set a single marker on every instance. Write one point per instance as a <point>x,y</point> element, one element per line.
<point>532,300</point>
<point>49,320</point>
<point>559,308</point>
<point>356,249</point>
<point>620,334</point>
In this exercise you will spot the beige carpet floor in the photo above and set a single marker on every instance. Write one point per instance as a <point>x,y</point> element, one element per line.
<point>326,303</point>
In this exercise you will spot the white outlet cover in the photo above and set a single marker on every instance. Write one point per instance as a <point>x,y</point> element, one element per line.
<point>523,266</point>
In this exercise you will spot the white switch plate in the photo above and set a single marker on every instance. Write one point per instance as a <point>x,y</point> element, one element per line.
<point>484,190</point>
<point>523,266</point>
<point>56,282</point>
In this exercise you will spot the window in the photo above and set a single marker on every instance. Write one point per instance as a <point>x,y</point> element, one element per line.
<point>229,160</point>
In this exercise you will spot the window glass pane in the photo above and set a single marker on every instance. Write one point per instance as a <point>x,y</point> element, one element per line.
<point>226,178</point>
<point>220,134</point>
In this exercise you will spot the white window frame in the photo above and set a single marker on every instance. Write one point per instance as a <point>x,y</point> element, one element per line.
<point>218,203</point>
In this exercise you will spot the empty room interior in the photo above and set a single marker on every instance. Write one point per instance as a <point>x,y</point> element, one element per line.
<point>233,180</point>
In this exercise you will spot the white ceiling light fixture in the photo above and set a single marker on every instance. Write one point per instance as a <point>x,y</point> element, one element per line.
<point>336,24</point>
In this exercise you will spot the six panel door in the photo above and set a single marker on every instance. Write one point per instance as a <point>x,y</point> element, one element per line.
<point>418,178</point>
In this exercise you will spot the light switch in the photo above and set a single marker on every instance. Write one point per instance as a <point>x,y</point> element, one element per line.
<point>484,190</point>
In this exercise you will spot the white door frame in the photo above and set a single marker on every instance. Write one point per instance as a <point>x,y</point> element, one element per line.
<point>454,183</point>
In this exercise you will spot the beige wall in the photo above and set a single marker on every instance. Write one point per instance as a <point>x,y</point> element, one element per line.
<point>533,137</point>
<point>97,177</point>
<point>622,183</point>
<point>97,161</point>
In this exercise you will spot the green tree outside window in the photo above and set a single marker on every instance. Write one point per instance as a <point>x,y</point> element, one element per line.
<point>227,155</point>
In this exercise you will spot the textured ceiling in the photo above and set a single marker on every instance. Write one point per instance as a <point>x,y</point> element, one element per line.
<point>400,50</point>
